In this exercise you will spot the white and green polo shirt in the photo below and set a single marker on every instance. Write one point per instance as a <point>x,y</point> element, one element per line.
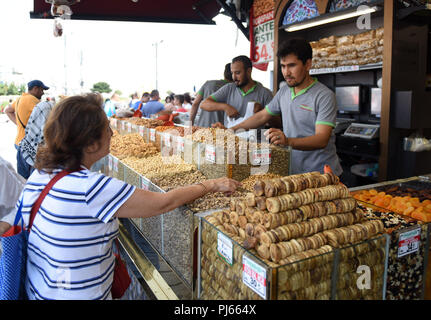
<point>300,113</point>
<point>234,96</point>
<point>207,118</point>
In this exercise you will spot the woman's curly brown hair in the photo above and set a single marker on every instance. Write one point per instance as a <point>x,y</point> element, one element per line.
<point>75,123</point>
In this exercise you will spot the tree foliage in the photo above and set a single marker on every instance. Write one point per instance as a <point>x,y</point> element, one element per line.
<point>101,87</point>
<point>11,89</point>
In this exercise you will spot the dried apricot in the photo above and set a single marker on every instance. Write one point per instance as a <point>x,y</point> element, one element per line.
<point>373,192</point>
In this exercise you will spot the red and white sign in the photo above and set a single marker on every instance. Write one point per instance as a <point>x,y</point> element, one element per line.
<point>254,276</point>
<point>409,242</point>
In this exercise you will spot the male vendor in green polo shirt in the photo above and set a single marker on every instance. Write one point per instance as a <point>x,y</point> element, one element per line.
<point>233,98</point>
<point>308,112</point>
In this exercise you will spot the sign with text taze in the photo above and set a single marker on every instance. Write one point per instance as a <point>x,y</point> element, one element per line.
<point>152,134</point>
<point>261,157</point>
<point>263,32</point>
<point>210,153</point>
<point>254,276</point>
<point>409,242</point>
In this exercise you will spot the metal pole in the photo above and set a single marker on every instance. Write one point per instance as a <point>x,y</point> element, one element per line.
<point>156,66</point>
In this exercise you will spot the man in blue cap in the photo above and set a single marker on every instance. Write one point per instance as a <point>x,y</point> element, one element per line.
<point>19,112</point>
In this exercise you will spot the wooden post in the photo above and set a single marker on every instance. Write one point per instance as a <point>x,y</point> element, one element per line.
<point>388,23</point>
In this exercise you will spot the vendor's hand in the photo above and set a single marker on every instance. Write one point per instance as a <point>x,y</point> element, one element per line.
<point>231,112</point>
<point>225,185</point>
<point>218,125</point>
<point>4,226</point>
<point>276,136</point>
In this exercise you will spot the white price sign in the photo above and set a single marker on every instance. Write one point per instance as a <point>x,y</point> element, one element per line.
<point>409,242</point>
<point>113,123</point>
<point>261,157</point>
<point>123,125</point>
<point>145,184</point>
<point>167,139</point>
<point>225,248</point>
<point>152,134</point>
<point>110,163</point>
<point>210,153</point>
<point>115,164</point>
<point>129,127</point>
<point>254,276</point>
<point>141,130</point>
<point>180,144</point>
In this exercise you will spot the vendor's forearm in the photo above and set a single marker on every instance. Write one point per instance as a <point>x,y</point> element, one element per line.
<point>308,143</point>
<point>255,121</point>
<point>211,105</point>
<point>195,107</point>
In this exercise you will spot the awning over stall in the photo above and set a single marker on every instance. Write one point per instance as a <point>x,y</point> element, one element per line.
<point>168,11</point>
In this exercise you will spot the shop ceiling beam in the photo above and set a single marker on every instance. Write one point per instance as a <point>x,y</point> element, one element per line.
<point>196,6</point>
<point>235,19</point>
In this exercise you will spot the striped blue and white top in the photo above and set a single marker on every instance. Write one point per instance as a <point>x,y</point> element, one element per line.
<point>70,244</point>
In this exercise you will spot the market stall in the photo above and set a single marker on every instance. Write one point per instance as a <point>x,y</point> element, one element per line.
<point>193,247</point>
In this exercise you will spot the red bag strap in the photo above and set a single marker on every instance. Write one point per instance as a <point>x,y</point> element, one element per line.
<point>43,194</point>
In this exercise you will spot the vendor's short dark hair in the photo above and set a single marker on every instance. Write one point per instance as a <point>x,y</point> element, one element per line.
<point>246,62</point>
<point>297,46</point>
<point>227,72</point>
<point>154,93</point>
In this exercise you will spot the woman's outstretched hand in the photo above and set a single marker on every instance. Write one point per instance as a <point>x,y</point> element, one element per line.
<point>225,185</point>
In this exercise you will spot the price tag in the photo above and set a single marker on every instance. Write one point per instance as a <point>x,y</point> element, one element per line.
<point>225,248</point>
<point>210,153</point>
<point>254,276</point>
<point>261,157</point>
<point>141,130</point>
<point>110,163</point>
<point>123,125</point>
<point>180,144</point>
<point>152,134</point>
<point>129,127</point>
<point>409,242</point>
<point>167,139</point>
<point>115,164</point>
<point>145,184</point>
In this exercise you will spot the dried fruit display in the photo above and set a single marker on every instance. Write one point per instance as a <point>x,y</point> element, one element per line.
<point>405,205</point>
<point>157,165</point>
<point>131,145</point>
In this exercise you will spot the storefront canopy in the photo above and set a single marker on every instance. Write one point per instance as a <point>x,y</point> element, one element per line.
<point>168,11</point>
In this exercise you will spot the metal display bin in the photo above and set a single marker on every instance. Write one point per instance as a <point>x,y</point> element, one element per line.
<point>227,271</point>
<point>171,234</point>
<point>407,271</point>
<point>217,161</point>
<point>113,167</point>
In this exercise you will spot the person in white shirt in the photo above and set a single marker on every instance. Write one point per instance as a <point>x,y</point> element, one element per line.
<point>11,185</point>
<point>187,102</point>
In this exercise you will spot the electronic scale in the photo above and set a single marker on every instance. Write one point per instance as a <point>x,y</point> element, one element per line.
<point>362,130</point>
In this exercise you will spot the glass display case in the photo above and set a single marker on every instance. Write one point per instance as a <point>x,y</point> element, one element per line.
<point>227,270</point>
<point>409,237</point>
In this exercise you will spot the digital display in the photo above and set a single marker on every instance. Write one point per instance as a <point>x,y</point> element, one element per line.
<point>376,101</point>
<point>348,99</point>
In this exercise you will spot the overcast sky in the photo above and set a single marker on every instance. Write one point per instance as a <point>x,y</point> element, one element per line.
<point>120,53</point>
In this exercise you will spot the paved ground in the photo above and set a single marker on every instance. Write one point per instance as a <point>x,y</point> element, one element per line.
<point>7,138</point>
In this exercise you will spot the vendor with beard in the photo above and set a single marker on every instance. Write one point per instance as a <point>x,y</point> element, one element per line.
<point>233,98</point>
<point>308,111</point>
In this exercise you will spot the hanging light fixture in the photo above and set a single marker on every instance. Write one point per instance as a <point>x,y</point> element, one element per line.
<point>346,14</point>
